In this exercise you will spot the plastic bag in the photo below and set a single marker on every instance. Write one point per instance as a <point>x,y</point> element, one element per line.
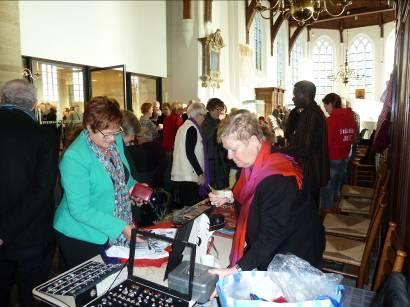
<point>243,285</point>
<point>236,291</point>
<point>300,281</point>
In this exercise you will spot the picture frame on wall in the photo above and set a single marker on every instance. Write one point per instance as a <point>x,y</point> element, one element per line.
<point>360,93</point>
<point>211,55</point>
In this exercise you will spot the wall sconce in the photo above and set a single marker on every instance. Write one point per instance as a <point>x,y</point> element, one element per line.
<point>26,73</point>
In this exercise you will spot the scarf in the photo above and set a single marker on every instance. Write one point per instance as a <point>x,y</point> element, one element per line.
<point>203,189</point>
<point>266,164</point>
<point>115,168</point>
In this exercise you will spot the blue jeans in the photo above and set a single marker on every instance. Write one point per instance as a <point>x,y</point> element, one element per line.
<point>331,192</point>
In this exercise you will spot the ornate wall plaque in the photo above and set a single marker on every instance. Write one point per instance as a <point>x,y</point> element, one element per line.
<point>211,49</point>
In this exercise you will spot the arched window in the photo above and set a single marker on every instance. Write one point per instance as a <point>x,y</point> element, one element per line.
<point>258,42</point>
<point>296,59</point>
<point>360,59</point>
<point>280,65</point>
<point>323,66</point>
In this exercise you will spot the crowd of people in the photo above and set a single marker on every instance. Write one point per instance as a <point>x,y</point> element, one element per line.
<point>288,166</point>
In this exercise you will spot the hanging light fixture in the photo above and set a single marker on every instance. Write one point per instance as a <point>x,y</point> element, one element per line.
<point>303,10</point>
<point>344,74</point>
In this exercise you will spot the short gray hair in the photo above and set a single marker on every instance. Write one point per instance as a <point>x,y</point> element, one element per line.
<point>242,125</point>
<point>19,92</point>
<point>130,123</point>
<point>195,109</point>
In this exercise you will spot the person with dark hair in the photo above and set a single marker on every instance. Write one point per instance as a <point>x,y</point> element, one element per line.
<point>166,111</point>
<point>28,164</point>
<point>341,131</point>
<point>218,166</point>
<point>96,206</point>
<point>309,141</point>
<point>275,213</point>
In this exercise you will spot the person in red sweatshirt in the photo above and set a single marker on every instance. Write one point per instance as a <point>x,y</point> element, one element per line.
<point>341,133</point>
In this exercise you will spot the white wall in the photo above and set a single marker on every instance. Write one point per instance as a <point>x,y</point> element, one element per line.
<point>97,33</point>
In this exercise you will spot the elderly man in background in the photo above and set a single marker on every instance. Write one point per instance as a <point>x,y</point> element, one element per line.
<point>28,163</point>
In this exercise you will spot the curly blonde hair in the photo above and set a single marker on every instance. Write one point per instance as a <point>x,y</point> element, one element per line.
<point>240,124</point>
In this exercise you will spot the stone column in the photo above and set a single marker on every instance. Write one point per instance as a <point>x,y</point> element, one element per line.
<point>10,51</point>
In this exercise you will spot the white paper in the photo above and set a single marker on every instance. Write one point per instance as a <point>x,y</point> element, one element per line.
<point>150,249</point>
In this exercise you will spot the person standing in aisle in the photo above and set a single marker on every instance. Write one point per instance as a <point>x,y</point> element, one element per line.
<point>28,164</point>
<point>342,131</point>
<point>218,166</point>
<point>309,141</point>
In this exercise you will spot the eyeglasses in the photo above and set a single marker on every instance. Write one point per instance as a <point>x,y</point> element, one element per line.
<point>106,136</point>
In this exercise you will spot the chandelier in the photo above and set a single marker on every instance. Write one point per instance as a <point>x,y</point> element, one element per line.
<point>344,74</point>
<point>303,10</point>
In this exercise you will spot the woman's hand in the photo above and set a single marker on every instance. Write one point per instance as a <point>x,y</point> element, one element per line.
<point>220,197</point>
<point>136,200</point>
<point>201,179</point>
<point>127,231</point>
<point>221,273</point>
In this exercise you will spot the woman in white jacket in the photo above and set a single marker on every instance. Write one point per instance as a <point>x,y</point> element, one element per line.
<point>189,171</point>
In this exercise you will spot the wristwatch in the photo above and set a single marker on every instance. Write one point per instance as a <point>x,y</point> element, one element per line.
<point>238,268</point>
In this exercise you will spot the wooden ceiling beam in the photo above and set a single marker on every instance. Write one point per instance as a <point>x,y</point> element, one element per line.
<point>368,12</point>
<point>208,11</point>
<point>381,25</point>
<point>186,14</point>
<point>249,15</point>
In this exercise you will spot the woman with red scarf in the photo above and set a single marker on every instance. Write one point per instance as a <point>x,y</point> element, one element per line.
<point>275,215</point>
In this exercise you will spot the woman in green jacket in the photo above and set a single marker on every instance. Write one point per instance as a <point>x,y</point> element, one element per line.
<point>96,207</point>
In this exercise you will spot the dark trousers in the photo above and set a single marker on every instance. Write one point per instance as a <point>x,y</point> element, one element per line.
<point>186,193</point>
<point>76,251</point>
<point>27,267</point>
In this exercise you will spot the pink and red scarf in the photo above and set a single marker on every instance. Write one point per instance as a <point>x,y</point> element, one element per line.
<point>266,164</point>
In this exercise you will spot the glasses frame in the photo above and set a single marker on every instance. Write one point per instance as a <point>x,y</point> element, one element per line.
<point>106,136</point>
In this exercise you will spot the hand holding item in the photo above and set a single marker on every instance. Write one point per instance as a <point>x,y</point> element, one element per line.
<point>141,193</point>
<point>201,179</point>
<point>220,197</point>
<point>221,273</point>
<point>127,231</point>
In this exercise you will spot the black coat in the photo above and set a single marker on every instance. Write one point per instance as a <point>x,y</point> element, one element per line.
<point>309,146</point>
<point>28,174</point>
<point>217,161</point>
<point>281,220</point>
